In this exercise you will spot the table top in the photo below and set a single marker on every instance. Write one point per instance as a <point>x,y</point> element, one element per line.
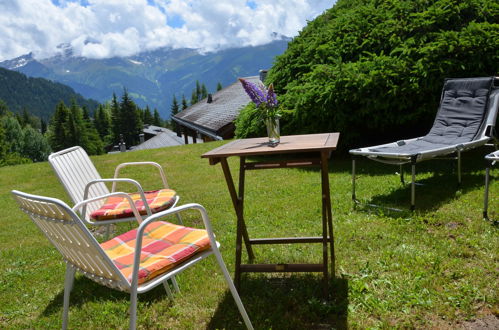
<point>288,144</point>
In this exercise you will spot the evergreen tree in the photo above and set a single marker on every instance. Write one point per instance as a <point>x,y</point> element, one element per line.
<point>131,123</point>
<point>184,103</point>
<point>157,119</point>
<point>204,91</point>
<point>58,130</point>
<point>219,86</point>
<point>43,126</point>
<point>194,97</point>
<point>174,108</point>
<point>76,127</point>
<point>102,122</point>
<point>148,119</point>
<point>199,92</point>
<point>116,119</point>
<point>25,118</point>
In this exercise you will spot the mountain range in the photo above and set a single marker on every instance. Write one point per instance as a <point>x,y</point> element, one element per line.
<point>151,78</point>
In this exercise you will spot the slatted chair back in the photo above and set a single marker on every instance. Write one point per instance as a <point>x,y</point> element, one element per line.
<point>75,169</point>
<point>65,230</point>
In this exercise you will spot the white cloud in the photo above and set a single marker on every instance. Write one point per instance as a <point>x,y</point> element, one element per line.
<point>106,28</point>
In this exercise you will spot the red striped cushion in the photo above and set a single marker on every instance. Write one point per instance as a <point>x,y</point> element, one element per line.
<point>164,245</point>
<point>118,207</point>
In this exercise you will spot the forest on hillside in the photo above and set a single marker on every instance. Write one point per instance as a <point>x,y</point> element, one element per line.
<point>38,96</point>
<point>374,69</point>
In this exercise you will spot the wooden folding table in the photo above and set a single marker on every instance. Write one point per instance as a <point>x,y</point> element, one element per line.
<point>318,147</point>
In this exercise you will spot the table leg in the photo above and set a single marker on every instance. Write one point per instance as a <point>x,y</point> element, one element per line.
<point>241,226</point>
<point>327,218</point>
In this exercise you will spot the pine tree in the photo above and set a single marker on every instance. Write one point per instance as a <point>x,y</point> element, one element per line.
<point>116,119</point>
<point>75,125</point>
<point>131,123</point>
<point>184,103</point>
<point>148,119</point>
<point>102,121</point>
<point>198,91</point>
<point>58,137</point>
<point>157,119</point>
<point>43,126</point>
<point>194,97</point>
<point>219,86</point>
<point>204,92</point>
<point>174,108</point>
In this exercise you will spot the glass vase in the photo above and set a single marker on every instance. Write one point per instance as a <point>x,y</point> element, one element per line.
<point>273,131</point>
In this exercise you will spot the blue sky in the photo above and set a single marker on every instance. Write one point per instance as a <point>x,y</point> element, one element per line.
<point>106,28</point>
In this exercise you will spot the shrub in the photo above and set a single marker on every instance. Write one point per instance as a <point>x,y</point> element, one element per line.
<point>373,69</point>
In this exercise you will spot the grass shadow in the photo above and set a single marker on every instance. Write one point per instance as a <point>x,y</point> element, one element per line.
<point>286,302</point>
<point>85,290</point>
<point>431,194</point>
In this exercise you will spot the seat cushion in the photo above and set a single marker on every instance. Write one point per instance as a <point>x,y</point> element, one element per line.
<point>118,207</point>
<point>164,245</point>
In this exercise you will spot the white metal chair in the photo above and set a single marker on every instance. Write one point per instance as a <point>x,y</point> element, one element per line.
<point>81,252</point>
<point>81,180</point>
<point>492,159</point>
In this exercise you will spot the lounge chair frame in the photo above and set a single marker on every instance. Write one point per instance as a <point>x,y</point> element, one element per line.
<point>485,135</point>
<point>491,160</point>
<point>82,253</point>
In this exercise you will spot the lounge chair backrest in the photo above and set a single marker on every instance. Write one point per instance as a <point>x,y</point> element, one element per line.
<point>65,230</point>
<point>489,125</point>
<point>75,169</point>
<point>462,112</point>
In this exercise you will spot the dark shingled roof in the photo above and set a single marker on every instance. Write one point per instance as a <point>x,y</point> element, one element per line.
<point>215,116</point>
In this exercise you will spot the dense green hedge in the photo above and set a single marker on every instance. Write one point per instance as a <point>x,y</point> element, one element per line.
<point>374,69</point>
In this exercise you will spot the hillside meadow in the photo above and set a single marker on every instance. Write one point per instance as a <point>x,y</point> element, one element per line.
<point>434,268</point>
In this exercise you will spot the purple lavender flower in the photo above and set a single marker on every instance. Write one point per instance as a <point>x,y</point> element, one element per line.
<point>256,94</point>
<point>271,98</point>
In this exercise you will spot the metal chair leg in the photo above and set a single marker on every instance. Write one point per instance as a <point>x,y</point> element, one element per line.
<point>459,167</point>
<point>353,180</point>
<point>486,194</point>
<point>413,187</point>
<point>68,286</point>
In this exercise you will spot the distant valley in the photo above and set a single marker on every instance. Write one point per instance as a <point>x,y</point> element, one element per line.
<point>151,78</point>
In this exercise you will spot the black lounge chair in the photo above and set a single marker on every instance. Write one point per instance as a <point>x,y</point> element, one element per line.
<point>465,120</point>
<point>491,159</point>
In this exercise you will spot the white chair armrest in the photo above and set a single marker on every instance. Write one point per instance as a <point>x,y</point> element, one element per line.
<point>157,216</point>
<point>161,171</point>
<point>90,200</point>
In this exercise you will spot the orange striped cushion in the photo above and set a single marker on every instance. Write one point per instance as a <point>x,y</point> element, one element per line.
<point>118,207</point>
<point>164,245</point>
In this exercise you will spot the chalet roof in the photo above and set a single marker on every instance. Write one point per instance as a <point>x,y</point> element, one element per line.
<point>167,138</point>
<point>211,118</point>
<point>153,130</point>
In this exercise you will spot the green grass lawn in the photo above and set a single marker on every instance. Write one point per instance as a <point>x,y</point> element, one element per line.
<point>434,268</point>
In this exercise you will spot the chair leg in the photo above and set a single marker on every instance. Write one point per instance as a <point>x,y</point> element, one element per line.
<point>413,187</point>
<point>232,288</point>
<point>68,286</point>
<point>179,218</point>
<point>459,167</point>
<point>353,179</point>
<point>486,194</point>
<point>133,308</point>
<point>175,284</point>
<point>168,290</point>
